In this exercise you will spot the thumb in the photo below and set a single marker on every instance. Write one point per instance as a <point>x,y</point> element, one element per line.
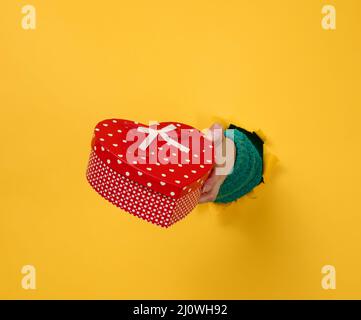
<point>215,134</point>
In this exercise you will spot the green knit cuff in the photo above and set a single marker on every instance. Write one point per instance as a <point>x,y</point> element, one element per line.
<point>247,170</point>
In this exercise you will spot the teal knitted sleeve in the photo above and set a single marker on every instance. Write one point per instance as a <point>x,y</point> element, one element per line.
<point>247,170</point>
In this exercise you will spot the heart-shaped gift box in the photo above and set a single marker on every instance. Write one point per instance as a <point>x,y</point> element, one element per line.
<point>154,172</point>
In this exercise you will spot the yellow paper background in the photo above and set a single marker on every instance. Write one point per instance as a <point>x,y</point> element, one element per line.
<point>261,64</point>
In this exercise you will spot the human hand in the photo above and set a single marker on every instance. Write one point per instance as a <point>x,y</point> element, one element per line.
<point>217,176</point>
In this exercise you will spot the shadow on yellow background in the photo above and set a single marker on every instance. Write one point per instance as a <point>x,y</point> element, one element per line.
<point>262,64</point>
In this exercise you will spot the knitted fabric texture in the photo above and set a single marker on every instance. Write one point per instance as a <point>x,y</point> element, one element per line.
<point>247,170</point>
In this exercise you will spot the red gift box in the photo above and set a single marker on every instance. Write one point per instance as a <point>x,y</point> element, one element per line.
<point>153,172</point>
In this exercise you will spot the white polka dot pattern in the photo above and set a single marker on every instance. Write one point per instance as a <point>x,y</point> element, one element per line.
<point>161,166</point>
<point>184,204</point>
<point>137,199</point>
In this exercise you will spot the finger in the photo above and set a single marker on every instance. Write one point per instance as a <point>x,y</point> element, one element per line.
<point>207,197</point>
<point>212,194</point>
<point>211,186</point>
<point>208,185</point>
<point>218,135</point>
<point>215,133</point>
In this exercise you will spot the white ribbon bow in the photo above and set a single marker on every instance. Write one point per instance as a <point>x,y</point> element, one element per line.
<point>153,133</point>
